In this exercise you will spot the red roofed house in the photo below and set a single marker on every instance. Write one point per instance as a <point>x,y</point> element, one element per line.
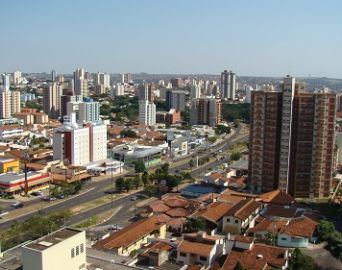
<point>255,256</point>
<point>200,248</point>
<point>241,216</point>
<point>297,233</point>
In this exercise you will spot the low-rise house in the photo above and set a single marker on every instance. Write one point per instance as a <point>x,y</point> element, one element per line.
<point>266,227</point>
<point>10,131</point>
<point>253,256</point>
<point>156,254</point>
<point>132,237</point>
<point>277,197</point>
<point>200,248</point>
<point>297,233</point>
<point>273,211</point>
<point>241,216</point>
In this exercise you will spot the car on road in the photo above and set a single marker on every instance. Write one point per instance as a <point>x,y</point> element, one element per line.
<point>17,205</point>
<point>60,196</point>
<point>49,199</point>
<point>37,193</point>
<point>134,198</point>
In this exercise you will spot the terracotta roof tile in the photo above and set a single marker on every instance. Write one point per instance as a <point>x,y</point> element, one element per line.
<point>216,211</point>
<point>257,258</point>
<point>243,209</point>
<point>303,226</point>
<point>277,197</point>
<point>178,212</point>
<point>267,225</point>
<point>195,248</point>
<point>129,234</point>
<point>281,211</point>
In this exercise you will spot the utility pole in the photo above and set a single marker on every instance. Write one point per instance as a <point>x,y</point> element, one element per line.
<point>25,158</point>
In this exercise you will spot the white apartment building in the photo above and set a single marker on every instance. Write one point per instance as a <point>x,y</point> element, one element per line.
<point>86,111</point>
<point>6,81</point>
<point>81,82</point>
<point>118,90</point>
<point>102,79</point>
<point>9,103</point>
<point>64,249</point>
<point>147,112</point>
<point>80,144</point>
<point>17,79</point>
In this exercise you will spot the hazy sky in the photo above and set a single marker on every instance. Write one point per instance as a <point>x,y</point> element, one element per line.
<point>254,37</point>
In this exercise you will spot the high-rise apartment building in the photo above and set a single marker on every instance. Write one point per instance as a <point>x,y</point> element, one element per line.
<point>147,112</point>
<point>126,78</point>
<point>80,144</point>
<point>52,100</point>
<point>81,82</point>
<point>86,110</point>
<point>6,81</point>
<point>9,103</point>
<point>205,111</point>
<point>17,78</point>
<point>292,140</point>
<point>175,99</point>
<point>102,79</point>
<point>228,85</point>
<point>195,91</point>
<point>53,75</point>
<point>146,92</point>
<point>118,90</point>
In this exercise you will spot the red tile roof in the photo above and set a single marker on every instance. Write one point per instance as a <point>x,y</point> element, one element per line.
<point>277,197</point>
<point>281,211</point>
<point>267,225</point>
<point>195,248</point>
<point>243,209</point>
<point>216,211</point>
<point>303,226</point>
<point>129,234</point>
<point>178,212</point>
<point>257,258</point>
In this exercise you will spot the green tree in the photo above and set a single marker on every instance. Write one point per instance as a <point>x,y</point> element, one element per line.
<point>128,184</point>
<point>151,190</point>
<point>194,225</point>
<point>192,163</point>
<point>105,109</point>
<point>235,156</point>
<point>221,129</point>
<point>165,168</point>
<point>145,178</point>
<point>128,133</point>
<point>186,115</point>
<point>137,181</point>
<point>212,139</point>
<point>232,112</point>
<point>299,261</point>
<point>120,184</point>
<point>325,230</point>
<point>139,167</point>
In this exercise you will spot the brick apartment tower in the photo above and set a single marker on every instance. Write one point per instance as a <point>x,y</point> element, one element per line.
<point>292,140</point>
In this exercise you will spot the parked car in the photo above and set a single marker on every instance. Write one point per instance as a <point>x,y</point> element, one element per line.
<point>134,198</point>
<point>60,196</point>
<point>37,193</point>
<point>17,205</point>
<point>49,199</point>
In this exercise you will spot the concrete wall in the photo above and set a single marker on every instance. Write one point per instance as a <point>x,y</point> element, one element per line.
<point>285,240</point>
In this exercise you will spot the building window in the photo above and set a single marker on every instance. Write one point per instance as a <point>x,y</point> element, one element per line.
<point>203,258</point>
<point>72,253</point>
<point>236,221</point>
<point>77,250</point>
<point>283,238</point>
<point>228,219</point>
<point>81,248</point>
<point>182,254</point>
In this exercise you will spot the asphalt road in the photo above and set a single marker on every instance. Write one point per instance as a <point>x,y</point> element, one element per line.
<point>98,189</point>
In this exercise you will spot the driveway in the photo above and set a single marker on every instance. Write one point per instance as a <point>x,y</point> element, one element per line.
<point>323,258</point>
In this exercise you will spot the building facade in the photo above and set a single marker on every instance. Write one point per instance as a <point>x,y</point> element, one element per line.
<point>228,85</point>
<point>147,112</point>
<point>52,100</point>
<point>205,111</point>
<point>175,99</point>
<point>9,103</point>
<point>292,140</point>
<point>81,82</point>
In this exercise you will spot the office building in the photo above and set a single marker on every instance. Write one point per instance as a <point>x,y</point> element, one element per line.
<point>175,99</point>
<point>52,100</point>
<point>6,82</point>
<point>80,144</point>
<point>205,111</point>
<point>63,249</point>
<point>81,82</point>
<point>228,85</point>
<point>147,112</point>
<point>292,140</point>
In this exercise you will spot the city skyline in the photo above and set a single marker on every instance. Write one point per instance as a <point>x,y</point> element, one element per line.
<point>173,37</point>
